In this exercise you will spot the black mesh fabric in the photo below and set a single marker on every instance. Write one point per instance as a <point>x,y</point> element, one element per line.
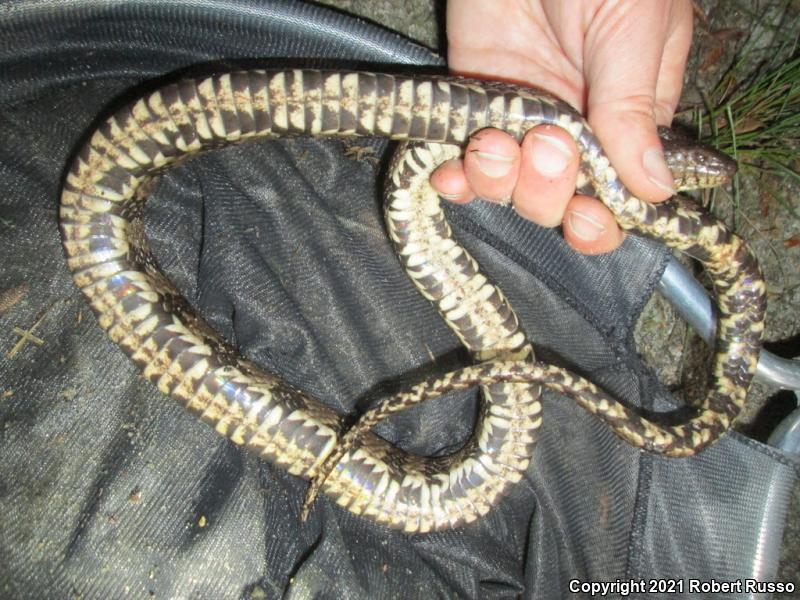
<point>110,490</point>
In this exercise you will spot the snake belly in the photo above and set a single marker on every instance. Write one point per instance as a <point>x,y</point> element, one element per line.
<point>102,226</point>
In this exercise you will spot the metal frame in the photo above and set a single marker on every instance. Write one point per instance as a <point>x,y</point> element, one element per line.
<point>693,303</point>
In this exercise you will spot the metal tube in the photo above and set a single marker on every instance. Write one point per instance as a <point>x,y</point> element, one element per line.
<point>693,303</point>
<point>787,434</point>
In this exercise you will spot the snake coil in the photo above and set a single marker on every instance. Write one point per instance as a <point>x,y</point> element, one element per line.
<point>101,220</point>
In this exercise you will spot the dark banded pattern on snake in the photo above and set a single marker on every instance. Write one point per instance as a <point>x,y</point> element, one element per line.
<point>103,232</point>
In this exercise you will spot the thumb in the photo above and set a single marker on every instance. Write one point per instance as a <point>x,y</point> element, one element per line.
<point>636,54</point>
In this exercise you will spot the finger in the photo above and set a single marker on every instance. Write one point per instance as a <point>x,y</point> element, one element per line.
<point>491,165</point>
<point>589,227</point>
<point>625,46</point>
<point>673,63</point>
<point>450,181</point>
<point>546,182</point>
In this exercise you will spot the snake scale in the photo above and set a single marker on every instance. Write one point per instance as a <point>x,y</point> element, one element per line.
<point>102,226</point>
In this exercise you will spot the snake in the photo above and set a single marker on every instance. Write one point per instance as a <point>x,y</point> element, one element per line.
<point>101,219</point>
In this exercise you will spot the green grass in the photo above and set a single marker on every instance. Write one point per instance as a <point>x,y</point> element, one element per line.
<point>753,114</point>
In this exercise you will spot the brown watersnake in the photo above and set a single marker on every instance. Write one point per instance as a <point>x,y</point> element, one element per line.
<point>102,225</point>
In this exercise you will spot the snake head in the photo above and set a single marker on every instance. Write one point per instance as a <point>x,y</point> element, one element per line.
<point>695,165</point>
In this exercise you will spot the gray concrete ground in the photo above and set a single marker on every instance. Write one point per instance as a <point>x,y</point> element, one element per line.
<point>675,352</point>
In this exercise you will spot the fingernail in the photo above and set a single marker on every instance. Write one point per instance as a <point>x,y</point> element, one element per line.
<point>657,171</point>
<point>552,157</point>
<point>585,227</point>
<point>493,165</point>
<point>450,196</point>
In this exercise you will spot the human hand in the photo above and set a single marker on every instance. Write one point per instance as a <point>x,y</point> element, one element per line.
<point>619,62</point>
